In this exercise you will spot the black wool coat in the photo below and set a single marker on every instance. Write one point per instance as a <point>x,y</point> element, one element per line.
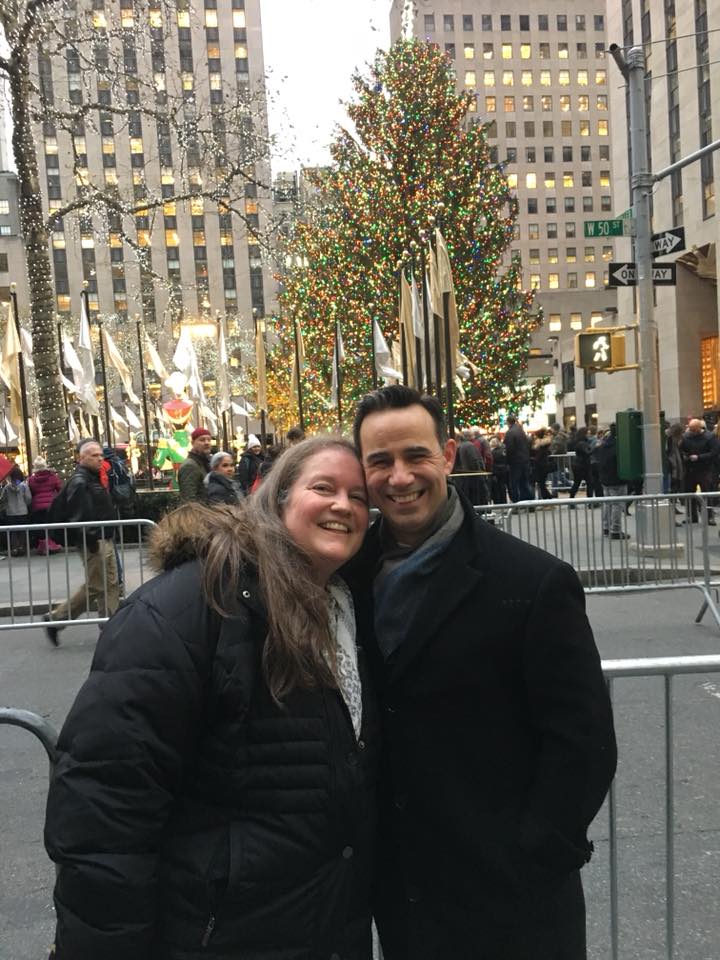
<point>190,815</point>
<point>498,751</point>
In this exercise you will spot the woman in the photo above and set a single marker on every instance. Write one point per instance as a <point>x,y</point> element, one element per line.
<point>221,487</point>
<point>581,463</point>
<point>16,499</point>
<point>213,793</point>
<point>540,458</point>
<point>44,485</point>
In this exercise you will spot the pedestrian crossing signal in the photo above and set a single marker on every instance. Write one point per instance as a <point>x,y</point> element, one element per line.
<point>600,350</point>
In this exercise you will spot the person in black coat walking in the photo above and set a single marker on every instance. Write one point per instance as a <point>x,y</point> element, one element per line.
<point>517,447</point>
<point>498,735</point>
<point>581,463</point>
<point>249,465</point>
<point>213,794</point>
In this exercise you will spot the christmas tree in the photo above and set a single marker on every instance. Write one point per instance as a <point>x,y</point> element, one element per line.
<point>413,163</point>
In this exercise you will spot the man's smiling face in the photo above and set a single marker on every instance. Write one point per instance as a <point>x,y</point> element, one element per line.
<point>406,469</point>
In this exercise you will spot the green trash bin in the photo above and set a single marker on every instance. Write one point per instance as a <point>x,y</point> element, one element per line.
<point>629,445</point>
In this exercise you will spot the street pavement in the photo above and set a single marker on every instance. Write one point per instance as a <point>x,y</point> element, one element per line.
<point>38,677</point>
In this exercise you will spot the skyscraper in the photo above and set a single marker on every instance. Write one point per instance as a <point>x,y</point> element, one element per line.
<point>540,79</point>
<point>159,105</point>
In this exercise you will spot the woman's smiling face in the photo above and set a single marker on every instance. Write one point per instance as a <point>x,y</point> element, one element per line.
<point>326,513</point>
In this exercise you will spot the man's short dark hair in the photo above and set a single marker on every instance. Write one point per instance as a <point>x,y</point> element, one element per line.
<point>398,397</point>
<point>295,435</point>
<point>511,418</point>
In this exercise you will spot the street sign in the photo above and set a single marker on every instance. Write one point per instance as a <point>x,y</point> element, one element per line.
<point>668,241</point>
<point>608,228</point>
<point>664,275</point>
<point>625,275</point>
<point>622,275</point>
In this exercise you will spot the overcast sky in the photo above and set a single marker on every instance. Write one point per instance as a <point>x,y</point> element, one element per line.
<point>311,50</point>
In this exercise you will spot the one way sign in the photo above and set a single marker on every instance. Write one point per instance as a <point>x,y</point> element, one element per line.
<point>625,275</point>
<point>668,241</point>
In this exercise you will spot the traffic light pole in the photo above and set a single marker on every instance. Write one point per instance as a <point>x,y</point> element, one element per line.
<point>633,69</point>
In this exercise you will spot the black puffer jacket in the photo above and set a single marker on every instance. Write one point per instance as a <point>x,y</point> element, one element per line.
<point>192,816</point>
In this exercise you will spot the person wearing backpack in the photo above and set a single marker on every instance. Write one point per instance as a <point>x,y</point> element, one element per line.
<point>85,499</point>
<point>16,499</point>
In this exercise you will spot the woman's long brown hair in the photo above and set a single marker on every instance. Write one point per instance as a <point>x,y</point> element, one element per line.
<point>299,650</point>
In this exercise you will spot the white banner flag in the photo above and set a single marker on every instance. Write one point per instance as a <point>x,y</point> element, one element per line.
<point>383,357</point>
<point>85,387</point>
<point>116,360</point>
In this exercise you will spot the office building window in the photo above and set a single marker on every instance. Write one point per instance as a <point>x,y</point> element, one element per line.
<point>553,281</point>
<point>552,255</point>
<point>524,22</point>
<point>528,104</point>
<point>572,281</point>
<point>584,128</point>
<point>488,51</point>
<point>587,204</point>
<point>564,78</point>
<point>599,51</point>
<point>563,51</point>
<point>489,78</point>
<point>469,51</point>
<point>545,78</point>
<point>429,23</point>
<point>546,102</point>
<point>580,21</point>
<point>508,78</point>
<point>550,205</point>
<point>4,207</point>
<point>568,179</point>
<point>525,51</point>
<point>533,231</point>
<point>549,180</point>
<point>583,103</point>
<point>601,77</point>
<point>549,154</point>
<point>511,155</point>
<point>506,51</point>
<point>486,22</point>
<point>570,254</point>
<point>448,23</point>
<point>512,181</point>
<point>534,256</point>
<point>509,104</point>
<point>576,322</point>
<point>529,128</point>
<point>589,254</point>
<point>490,104</point>
<point>554,323</point>
<point>543,21</point>
<point>510,130</point>
<point>532,205</point>
<point>586,178</point>
<point>570,230</point>
<point>548,128</point>
<point>581,51</point>
<point>505,21</point>
<point>605,204</point>
<point>468,25</point>
<point>590,279</point>
<point>599,22</point>
<point>535,281</point>
<point>530,154</point>
<point>531,181</point>
<point>450,50</point>
<point>544,51</point>
<point>602,128</point>
<point>526,78</point>
<point>565,103</point>
<point>561,22</point>
<point>607,253</point>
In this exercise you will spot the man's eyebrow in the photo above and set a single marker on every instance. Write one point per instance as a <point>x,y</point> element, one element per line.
<point>418,450</point>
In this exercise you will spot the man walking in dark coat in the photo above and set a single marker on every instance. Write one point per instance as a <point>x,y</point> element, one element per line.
<point>499,743</point>
<point>517,446</point>
<point>87,500</point>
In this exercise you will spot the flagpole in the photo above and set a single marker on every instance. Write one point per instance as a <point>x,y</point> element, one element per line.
<point>339,378</point>
<point>138,327</point>
<point>418,344</point>
<point>108,429</point>
<point>448,365</point>
<point>404,353</point>
<point>297,376</point>
<point>374,361</point>
<point>23,389</point>
<point>436,336</point>
<point>260,327</point>
<point>62,365</point>
<point>426,321</point>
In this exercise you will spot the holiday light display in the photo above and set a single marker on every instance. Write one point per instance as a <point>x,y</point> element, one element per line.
<point>413,163</point>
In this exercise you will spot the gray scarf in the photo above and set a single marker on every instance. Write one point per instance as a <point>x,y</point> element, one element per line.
<point>403,579</point>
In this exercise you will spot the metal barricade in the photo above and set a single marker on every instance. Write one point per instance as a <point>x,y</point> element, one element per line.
<point>32,584</point>
<point>624,544</point>
<point>561,473</point>
<point>44,731</point>
<point>667,668</point>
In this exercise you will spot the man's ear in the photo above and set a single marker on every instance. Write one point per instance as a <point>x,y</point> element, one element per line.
<point>449,451</point>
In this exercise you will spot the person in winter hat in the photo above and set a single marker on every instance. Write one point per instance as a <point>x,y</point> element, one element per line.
<point>16,499</point>
<point>194,469</point>
<point>249,465</point>
<point>220,482</point>
<point>44,484</point>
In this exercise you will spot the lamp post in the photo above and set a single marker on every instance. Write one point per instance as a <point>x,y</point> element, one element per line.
<point>103,373</point>
<point>21,371</point>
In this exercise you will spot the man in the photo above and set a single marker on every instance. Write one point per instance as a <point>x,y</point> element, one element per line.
<point>612,485</point>
<point>499,744</point>
<point>469,463</point>
<point>698,449</point>
<point>249,465</point>
<point>295,435</point>
<point>86,499</point>
<point>517,446</point>
<point>194,469</point>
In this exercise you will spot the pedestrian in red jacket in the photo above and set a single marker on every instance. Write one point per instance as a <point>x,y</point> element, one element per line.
<point>44,486</point>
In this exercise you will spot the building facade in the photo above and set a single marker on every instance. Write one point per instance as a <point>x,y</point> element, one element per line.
<point>681,43</point>
<point>541,79</point>
<point>180,259</point>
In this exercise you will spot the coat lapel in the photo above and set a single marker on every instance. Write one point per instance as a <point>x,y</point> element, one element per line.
<point>459,573</point>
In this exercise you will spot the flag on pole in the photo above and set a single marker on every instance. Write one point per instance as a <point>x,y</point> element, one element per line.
<point>417,315</point>
<point>84,429</point>
<point>85,387</point>
<point>407,329</point>
<point>434,295</point>
<point>69,358</point>
<point>383,357</point>
<point>11,367</point>
<point>115,358</point>
<point>132,420</point>
<point>337,362</point>
<point>223,386</point>
<point>446,285</point>
<point>10,434</point>
<point>152,359</point>
<point>207,413</point>
<point>73,432</point>
<point>298,361</point>
<point>117,418</point>
<point>185,359</point>
<point>27,347</point>
<point>261,372</point>
<point>240,410</point>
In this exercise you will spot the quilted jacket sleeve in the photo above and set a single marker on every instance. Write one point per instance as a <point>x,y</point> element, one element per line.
<point>122,753</point>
